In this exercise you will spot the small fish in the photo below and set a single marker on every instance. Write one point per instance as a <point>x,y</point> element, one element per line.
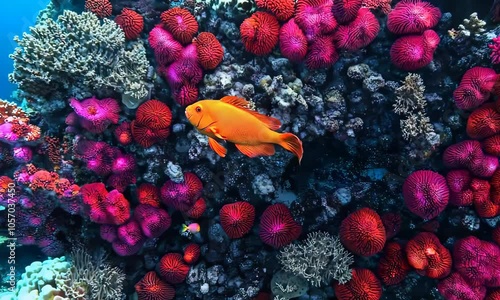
<point>192,228</point>
<point>230,119</point>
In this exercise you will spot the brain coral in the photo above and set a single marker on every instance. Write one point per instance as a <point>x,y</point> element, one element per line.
<point>131,22</point>
<point>259,33</point>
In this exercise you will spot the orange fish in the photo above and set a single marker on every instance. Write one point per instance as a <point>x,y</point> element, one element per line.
<point>229,119</point>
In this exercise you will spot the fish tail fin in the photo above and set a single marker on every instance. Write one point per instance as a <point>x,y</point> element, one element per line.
<point>292,143</point>
<point>184,228</point>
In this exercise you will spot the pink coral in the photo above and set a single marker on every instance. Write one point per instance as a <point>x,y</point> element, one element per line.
<point>358,33</point>
<point>426,193</point>
<point>455,287</point>
<point>277,226</point>
<point>315,18</point>
<point>495,50</point>
<point>322,53</point>
<point>153,221</point>
<point>123,163</point>
<point>22,154</point>
<point>413,52</point>
<point>412,16</point>
<point>292,41</point>
<point>95,115</point>
<point>182,195</point>
<point>165,47</point>
<point>346,11</point>
<point>475,87</point>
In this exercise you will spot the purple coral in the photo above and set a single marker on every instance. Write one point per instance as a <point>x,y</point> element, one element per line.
<point>96,115</point>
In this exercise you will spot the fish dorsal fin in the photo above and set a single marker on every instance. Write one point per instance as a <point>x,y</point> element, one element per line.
<point>270,122</point>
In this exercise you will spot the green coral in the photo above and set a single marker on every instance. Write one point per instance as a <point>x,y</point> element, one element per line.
<point>318,259</point>
<point>78,55</point>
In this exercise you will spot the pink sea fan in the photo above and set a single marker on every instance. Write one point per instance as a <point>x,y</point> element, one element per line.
<point>359,33</point>
<point>292,41</point>
<point>277,226</point>
<point>165,47</point>
<point>426,193</point>
<point>412,16</point>
<point>95,115</point>
<point>153,221</point>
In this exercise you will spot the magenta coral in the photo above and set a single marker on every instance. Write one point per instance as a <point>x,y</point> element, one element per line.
<point>455,287</point>
<point>182,195</point>
<point>165,47</point>
<point>495,50</point>
<point>153,221</point>
<point>315,18</point>
<point>475,87</point>
<point>130,233</point>
<point>359,33</point>
<point>413,52</point>
<point>426,193</point>
<point>292,41</point>
<point>95,115</point>
<point>412,16</point>
<point>345,11</point>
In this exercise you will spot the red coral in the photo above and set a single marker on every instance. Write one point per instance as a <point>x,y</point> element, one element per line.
<point>485,207</point>
<point>197,210</point>
<point>483,122</point>
<point>191,253</point>
<point>292,41</point>
<point>95,115</point>
<point>209,49</point>
<point>101,8</point>
<point>345,11</point>
<point>426,193</point>
<point>277,226</point>
<point>123,134</point>
<point>475,87</point>
<point>151,287</point>
<point>259,33</point>
<point>393,266</point>
<point>186,94</point>
<point>131,22</point>
<point>359,33</point>
<point>172,268</point>
<point>426,254</point>
<point>146,136</point>
<point>495,50</point>
<point>180,23</point>
<point>362,232</point>
<point>148,193</point>
<point>154,114</point>
<point>237,218</point>
<point>459,183</point>
<point>383,5</point>
<point>363,285</point>
<point>495,235</point>
<point>412,16</point>
<point>282,9</point>
<point>392,224</point>
<point>182,195</point>
<point>491,145</point>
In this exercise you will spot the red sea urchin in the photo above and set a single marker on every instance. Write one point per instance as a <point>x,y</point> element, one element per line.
<point>426,193</point>
<point>259,33</point>
<point>362,232</point>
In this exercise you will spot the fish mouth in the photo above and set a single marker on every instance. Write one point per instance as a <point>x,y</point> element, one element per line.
<point>188,116</point>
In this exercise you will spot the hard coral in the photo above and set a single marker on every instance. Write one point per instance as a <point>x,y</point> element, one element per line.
<point>149,194</point>
<point>131,22</point>
<point>321,53</point>
<point>292,41</point>
<point>475,87</point>
<point>180,23</point>
<point>412,16</point>
<point>282,9</point>
<point>95,115</point>
<point>154,114</point>
<point>277,226</point>
<point>483,122</point>
<point>363,285</point>
<point>197,210</point>
<point>153,221</point>
<point>237,218</point>
<point>345,11</point>
<point>165,47</point>
<point>183,195</point>
<point>172,268</point>
<point>393,266</point>
<point>191,253</point>
<point>151,287</point>
<point>362,232</point>
<point>102,8</point>
<point>455,287</point>
<point>259,33</point>
<point>315,18</point>
<point>426,193</point>
<point>413,52</point>
<point>209,49</point>
<point>358,33</point>
<point>428,256</point>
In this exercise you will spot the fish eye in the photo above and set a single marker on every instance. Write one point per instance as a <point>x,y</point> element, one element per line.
<point>198,108</point>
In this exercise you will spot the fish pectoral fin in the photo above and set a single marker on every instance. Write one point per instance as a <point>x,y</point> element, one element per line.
<point>216,132</point>
<point>270,122</point>
<point>217,147</point>
<point>256,150</point>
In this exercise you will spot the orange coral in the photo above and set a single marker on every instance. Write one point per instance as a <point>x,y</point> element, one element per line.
<point>9,109</point>
<point>282,9</point>
<point>426,254</point>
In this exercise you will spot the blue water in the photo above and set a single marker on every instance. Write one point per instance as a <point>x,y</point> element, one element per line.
<point>15,18</point>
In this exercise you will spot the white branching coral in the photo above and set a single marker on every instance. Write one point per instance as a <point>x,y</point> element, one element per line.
<point>318,259</point>
<point>77,55</point>
<point>410,104</point>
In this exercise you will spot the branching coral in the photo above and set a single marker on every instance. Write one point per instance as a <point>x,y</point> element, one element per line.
<point>91,278</point>
<point>77,55</point>
<point>473,26</point>
<point>318,259</point>
<point>411,103</point>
